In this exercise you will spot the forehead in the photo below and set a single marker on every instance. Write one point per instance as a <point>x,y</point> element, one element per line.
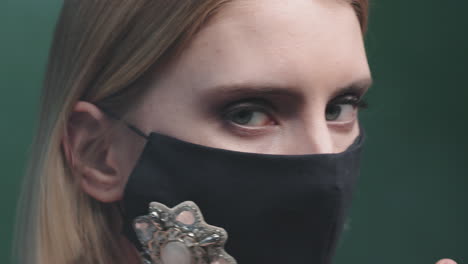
<point>291,43</point>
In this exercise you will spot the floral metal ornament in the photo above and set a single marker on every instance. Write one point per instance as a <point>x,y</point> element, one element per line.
<point>180,236</point>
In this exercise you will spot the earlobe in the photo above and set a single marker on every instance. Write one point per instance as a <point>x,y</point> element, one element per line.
<point>88,151</point>
<point>102,187</point>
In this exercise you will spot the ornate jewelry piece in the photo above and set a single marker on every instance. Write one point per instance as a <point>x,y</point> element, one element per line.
<point>180,236</point>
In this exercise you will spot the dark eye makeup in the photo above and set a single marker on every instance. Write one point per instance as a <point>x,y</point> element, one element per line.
<point>353,99</point>
<point>241,111</point>
<point>335,108</point>
<point>241,108</point>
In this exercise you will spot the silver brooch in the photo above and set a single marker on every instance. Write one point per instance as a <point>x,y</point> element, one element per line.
<point>180,236</point>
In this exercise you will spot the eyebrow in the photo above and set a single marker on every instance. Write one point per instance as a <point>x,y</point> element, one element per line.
<point>257,89</point>
<point>254,89</point>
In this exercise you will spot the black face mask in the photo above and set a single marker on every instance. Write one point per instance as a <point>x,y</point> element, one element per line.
<point>276,209</point>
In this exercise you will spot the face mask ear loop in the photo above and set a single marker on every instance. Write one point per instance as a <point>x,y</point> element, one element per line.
<point>136,130</point>
<point>130,126</point>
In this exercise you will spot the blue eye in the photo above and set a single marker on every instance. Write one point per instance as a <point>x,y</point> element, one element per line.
<point>341,113</point>
<point>252,112</point>
<point>250,117</point>
<point>344,109</point>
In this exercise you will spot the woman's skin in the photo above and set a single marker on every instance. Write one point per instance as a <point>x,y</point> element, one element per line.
<point>258,78</point>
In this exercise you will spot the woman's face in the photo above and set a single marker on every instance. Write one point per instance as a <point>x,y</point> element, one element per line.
<point>265,76</point>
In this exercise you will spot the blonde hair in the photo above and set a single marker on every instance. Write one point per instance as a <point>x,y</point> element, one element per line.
<point>100,53</point>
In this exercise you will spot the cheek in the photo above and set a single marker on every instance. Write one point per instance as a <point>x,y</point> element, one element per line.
<point>343,139</point>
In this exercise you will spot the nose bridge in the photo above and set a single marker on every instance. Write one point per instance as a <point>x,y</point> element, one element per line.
<point>316,134</point>
<point>319,138</point>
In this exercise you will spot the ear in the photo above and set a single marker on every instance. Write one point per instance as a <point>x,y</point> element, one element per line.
<point>91,155</point>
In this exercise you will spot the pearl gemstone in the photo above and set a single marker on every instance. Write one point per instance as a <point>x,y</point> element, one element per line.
<point>175,253</point>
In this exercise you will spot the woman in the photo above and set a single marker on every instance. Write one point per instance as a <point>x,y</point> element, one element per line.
<point>200,92</point>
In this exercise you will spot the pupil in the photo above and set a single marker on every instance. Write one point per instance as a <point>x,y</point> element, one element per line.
<point>332,112</point>
<point>243,117</point>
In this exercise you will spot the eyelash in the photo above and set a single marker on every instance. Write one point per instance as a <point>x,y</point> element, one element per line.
<point>249,104</point>
<point>355,100</point>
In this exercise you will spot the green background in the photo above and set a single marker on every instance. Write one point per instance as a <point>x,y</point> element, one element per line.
<point>410,206</point>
